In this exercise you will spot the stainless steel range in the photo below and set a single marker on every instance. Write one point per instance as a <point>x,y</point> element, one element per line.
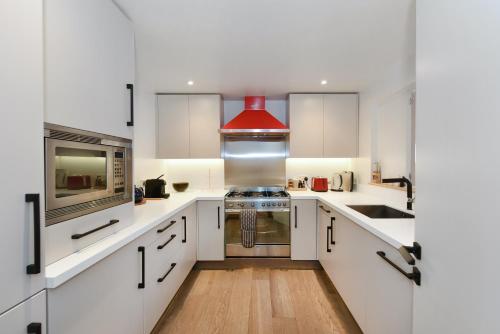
<point>272,225</point>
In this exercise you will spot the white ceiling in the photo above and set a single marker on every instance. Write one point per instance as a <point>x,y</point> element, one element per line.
<point>269,47</point>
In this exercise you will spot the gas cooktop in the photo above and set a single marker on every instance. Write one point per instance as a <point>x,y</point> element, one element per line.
<point>257,197</point>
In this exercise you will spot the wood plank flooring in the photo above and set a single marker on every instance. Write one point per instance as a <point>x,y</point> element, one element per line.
<point>257,300</point>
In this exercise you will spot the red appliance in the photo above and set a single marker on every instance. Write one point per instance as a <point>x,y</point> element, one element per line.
<point>255,119</point>
<point>319,184</point>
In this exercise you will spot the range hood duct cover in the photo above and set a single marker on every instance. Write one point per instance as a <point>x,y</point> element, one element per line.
<point>255,120</point>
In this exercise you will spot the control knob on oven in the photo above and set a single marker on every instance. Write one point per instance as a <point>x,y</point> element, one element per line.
<point>268,204</point>
<point>253,204</point>
<point>274,204</point>
<point>241,205</point>
<point>279,203</point>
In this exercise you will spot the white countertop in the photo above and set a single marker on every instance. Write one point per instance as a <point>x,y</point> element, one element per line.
<point>396,232</point>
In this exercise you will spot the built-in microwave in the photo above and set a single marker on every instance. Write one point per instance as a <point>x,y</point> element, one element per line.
<point>85,172</point>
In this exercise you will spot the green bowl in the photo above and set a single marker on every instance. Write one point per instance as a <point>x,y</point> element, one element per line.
<point>180,186</point>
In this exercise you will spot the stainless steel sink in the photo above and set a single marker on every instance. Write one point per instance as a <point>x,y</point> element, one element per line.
<point>381,212</point>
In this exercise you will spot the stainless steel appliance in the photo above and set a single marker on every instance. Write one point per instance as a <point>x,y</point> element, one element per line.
<point>84,172</point>
<point>272,238</point>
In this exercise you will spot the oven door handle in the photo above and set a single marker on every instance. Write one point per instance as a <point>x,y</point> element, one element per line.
<point>258,210</point>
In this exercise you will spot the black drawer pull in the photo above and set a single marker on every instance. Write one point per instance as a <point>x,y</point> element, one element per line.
<point>34,328</point>
<point>332,219</point>
<point>142,250</point>
<point>161,230</point>
<point>328,235</point>
<point>414,275</point>
<point>81,235</point>
<point>295,216</point>
<point>131,88</point>
<point>172,237</point>
<point>323,208</point>
<point>161,279</point>
<point>185,230</point>
<point>35,268</point>
<point>218,217</point>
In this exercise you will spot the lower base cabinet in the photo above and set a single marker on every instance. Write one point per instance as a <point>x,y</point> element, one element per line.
<point>211,230</point>
<point>27,317</point>
<point>128,291</point>
<point>378,296</point>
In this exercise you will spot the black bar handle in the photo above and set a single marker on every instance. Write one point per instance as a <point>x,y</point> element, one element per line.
<point>172,237</point>
<point>323,208</point>
<point>34,328</point>
<point>295,216</point>
<point>35,268</point>
<point>161,230</point>
<point>131,88</point>
<point>332,219</point>
<point>185,230</point>
<point>328,235</point>
<point>414,275</point>
<point>172,266</point>
<point>142,250</point>
<point>218,217</point>
<point>81,235</point>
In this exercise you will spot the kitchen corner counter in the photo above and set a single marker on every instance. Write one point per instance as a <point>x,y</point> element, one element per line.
<point>396,232</point>
<point>145,217</point>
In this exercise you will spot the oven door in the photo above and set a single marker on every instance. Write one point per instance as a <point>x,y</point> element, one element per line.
<point>272,238</point>
<point>77,172</point>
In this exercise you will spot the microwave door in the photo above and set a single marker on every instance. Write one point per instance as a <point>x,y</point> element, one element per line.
<point>77,172</point>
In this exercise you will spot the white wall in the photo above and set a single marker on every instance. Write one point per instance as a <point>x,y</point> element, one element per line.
<point>202,174</point>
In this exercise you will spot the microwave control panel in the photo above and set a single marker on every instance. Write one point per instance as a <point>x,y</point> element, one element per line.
<point>119,171</point>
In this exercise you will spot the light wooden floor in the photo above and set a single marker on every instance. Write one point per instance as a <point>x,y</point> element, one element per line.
<point>257,300</point>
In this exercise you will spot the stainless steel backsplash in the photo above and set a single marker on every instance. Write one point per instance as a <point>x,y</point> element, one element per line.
<point>254,161</point>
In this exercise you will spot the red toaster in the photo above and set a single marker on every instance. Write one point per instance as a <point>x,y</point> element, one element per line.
<point>319,184</point>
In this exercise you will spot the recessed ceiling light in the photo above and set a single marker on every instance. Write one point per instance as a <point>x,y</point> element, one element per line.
<point>324,82</point>
<point>190,82</point>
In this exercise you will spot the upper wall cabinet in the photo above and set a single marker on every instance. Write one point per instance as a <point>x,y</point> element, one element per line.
<point>89,66</point>
<point>323,125</point>
<point>188,126</point>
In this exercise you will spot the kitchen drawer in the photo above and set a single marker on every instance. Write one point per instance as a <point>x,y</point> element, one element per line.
<point>163,278</point>
<point>171,225</point>
<point>59,243</point>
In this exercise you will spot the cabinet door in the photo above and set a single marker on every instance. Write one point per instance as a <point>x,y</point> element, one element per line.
<point>210,230</point>
<point>306,125</point>
<point>325,243</point>
<point>89,60</point>
<point>350,272</point>
<point>29,314</point>
<point>190,236</point>
<point>21,134</point>
<point>204,125</point>
<point>173,127</point>
<point>389,294</point>
<point>303,235</point>
<point>340,125</point>
<point>105,298</point>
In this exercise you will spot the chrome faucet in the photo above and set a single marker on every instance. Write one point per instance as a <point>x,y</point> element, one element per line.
<point>409,190</point>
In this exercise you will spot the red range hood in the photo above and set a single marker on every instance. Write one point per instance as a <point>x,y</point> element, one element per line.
<point>254,120</point>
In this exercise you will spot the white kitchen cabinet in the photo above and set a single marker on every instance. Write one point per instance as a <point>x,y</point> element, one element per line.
<point>89,60</point>
<point>306,125</point>
<point>30,314</point>
<point>204,125</point>
<point>188,126</point>
<point>105,298</point>
<point>378,296</point>
<point>21,134</point>
<point>323,125</point>
<point>325,238</point>
<point>190,237</point>
<point>340,126</point>
<point>210,230</point>
<point>173,127</point>
<point>303,230</point>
